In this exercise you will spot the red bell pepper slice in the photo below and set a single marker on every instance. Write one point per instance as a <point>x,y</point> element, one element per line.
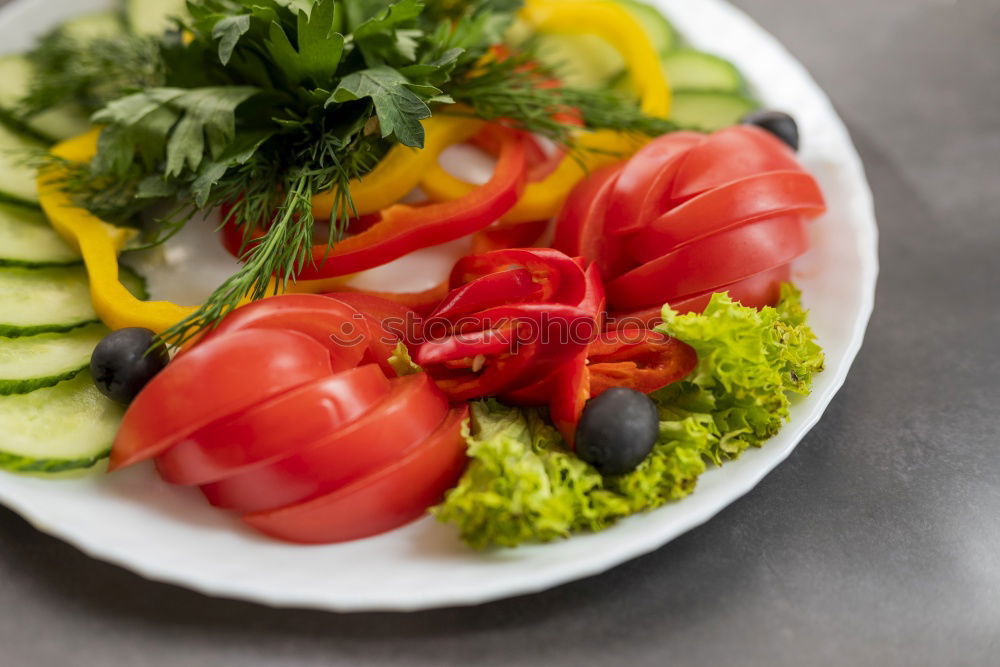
<point>561,278</point>
<point>404,229</point>
<point>706,265</point>
<point>494,238</point>
<point>747,200</point>
<point>638,359</point>
<point>504,237</point>
<point>493,289</point>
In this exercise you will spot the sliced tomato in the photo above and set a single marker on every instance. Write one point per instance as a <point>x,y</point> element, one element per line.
<point>729,155</point>
<point>638,359</point>
<point>280,427</point>
<point>641,191</point>
<point>738,203</point>
<point>705,265</point>
<point>331,323</point>
<point>581,222</point>
<point>388,322</point>
<point>763,289</point>
<point>405,418</point>
<point>213,381</point>
<point>382,501</point>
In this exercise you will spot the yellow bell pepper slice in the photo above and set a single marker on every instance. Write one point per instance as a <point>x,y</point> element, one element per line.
<point>100,244</point>
<point>401,169</point>
<point>618,27</point>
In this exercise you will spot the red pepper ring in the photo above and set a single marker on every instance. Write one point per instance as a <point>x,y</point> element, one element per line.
<point>494,238</point>
<point>493,289</point>
<point>404,229</point>
<point>525,342</point>
<point>561,278</point>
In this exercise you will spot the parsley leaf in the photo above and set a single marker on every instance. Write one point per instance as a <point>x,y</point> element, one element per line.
<point>398,108</point>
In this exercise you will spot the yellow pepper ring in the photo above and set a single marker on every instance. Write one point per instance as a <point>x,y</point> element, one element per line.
<point>618,27</point>
<point>100,244</point>
<point>401,169</point>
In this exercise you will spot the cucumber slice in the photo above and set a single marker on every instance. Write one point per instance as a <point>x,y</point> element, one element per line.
<point>70,426</point>
<point>52,300</point>
<point>152,17</point>
<point>34,362</point>
<point>51,125</point>
<point>688,69</point>
<point>94,26</point>
<point>34,301</point>
<point>709,111</point>
<point>17,177</point>
<point>27,239</point>
<point>662,33</point>
<point>583,61</point>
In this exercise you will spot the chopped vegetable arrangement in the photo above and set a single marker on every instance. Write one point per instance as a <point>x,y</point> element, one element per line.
<point>622,317</point>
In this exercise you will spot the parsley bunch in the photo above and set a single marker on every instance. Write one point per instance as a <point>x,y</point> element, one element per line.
<point>261,104</point>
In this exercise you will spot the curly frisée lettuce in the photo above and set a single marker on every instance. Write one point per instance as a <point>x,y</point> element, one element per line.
<point>524,485</point>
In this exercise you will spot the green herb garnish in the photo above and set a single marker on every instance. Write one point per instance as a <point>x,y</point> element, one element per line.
<point>258,105</point>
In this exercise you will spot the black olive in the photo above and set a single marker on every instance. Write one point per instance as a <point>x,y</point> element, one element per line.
<point>617,431</point>
<point>125,361</point>
<point>778,123</point>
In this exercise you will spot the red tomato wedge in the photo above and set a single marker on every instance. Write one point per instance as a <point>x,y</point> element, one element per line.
<point>641,191</point>
<point>581,222</point>
<point>705,265</point>
<point>212,381</point>
<point>382,501</point>
<point>738,203</point>
<point>405,418</point>
<point>333,324</point>
<point>281,427</point>
<point>763,289</point>
<point>729,155</point>
<point>385,324</point>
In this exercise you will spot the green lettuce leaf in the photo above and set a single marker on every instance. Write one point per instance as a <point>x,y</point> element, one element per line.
<point>524,485</point>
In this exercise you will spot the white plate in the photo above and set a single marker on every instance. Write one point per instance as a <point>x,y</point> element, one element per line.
<point>171,535</point>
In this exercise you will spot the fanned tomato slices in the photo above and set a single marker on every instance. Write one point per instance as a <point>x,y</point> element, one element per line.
<point>382,501</point>
<point>405,418</point>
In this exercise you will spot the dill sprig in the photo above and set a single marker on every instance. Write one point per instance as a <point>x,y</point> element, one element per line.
<point>90,73</point>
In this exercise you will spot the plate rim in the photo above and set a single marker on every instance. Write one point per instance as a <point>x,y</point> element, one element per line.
<point>597,561</point>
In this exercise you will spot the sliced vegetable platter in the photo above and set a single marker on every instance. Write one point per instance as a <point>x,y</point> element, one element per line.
<point>168,533</point>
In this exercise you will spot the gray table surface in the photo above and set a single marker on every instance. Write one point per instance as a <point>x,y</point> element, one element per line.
<point>876,543</point>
